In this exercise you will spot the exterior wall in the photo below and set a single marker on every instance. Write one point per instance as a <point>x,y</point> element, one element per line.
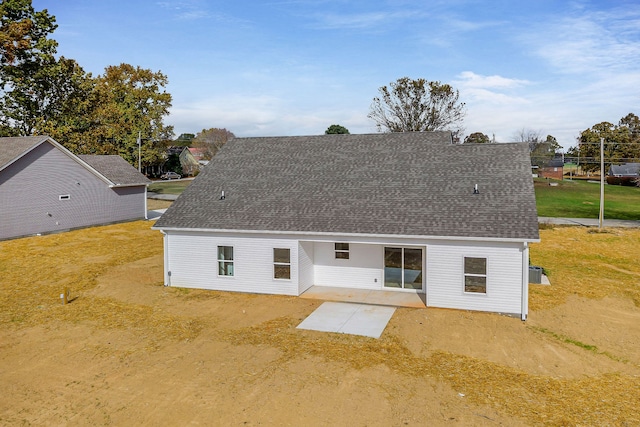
<point>306,269</point>
<point>363,269</point>
<point>30,191</point>
<point>192,262</point>
<point>188,163</point>
<point>552,172</point>
<point>445,276</point>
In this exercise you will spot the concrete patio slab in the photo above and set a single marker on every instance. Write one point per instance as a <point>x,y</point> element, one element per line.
<point>348,318</point>
<point>365,296</point>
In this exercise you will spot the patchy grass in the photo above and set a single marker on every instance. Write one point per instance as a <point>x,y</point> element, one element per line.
<point>588,264</point>
<point>153,204</point>
<point>36,270</point>
<point>581,199</point>
<point>169,187</point>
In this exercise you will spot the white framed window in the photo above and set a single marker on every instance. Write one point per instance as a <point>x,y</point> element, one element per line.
<point>475,275</point>
<point>64,197</point>
<point>281,263</point>
<point>225,261</point>
<point>342,250</point>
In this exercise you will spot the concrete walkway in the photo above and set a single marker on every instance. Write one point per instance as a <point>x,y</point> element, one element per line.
<point>346,318</point>
<point>588,222</point>
<point>158,196</point>
<point>155,214</point>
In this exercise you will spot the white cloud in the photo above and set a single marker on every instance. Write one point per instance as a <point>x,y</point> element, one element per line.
<point>594,43</point>
<point>470,79</point>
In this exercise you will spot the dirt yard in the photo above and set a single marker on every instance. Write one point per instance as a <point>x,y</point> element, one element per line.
<point>128,351</point>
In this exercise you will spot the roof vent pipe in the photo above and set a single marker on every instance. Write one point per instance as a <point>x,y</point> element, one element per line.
<point>475,189</point>
<point>222,195</point>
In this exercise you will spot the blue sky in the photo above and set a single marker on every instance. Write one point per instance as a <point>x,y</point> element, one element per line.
<point>294,67</point>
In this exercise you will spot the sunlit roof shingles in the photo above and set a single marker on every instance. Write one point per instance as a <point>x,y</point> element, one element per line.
<point>386,184</point>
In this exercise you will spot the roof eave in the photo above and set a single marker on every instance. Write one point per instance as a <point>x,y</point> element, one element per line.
<point>351,235</point>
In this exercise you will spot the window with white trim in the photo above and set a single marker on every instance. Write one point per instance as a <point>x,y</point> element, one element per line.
<point>225,260</point>
<point>342,250</point>
<point>475,275</point>
<point>64,197</point>
<point>281,263</point>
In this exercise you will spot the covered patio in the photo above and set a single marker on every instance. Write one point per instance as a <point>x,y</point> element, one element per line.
<point>367,296</point>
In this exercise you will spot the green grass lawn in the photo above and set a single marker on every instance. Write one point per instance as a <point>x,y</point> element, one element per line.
<point>581,199</point>
<point>169,187</point>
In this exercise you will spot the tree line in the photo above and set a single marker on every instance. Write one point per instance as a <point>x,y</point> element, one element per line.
<point>45,94</point>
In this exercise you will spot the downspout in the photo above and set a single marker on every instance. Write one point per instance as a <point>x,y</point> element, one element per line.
<point>525,282</point>
<point>146,216</point>
<point>167,272</point>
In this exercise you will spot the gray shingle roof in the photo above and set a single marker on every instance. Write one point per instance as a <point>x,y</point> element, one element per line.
<point>112,167</point>
<point>13,147</point>
<point>408,184</point>
<point>626,169</point>
<point>115,169</point>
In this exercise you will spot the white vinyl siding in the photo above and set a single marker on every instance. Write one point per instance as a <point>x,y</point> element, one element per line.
<point>305,266</point>
<point>63,195</point>
<point>363,269</point>
<point>193,263</point>
<point>445,276</point>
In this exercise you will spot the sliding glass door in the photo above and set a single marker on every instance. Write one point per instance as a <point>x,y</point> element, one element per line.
<point>403,268</point>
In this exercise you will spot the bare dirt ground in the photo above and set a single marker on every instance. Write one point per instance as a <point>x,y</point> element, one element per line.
<point>129,351</point>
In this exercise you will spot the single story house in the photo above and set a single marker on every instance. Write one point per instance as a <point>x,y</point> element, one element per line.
<point>553,169</point>
<point>45,188</point>
<point>408,212</point>
<point>624,174</point>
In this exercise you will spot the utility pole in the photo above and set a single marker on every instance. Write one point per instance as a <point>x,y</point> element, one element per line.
<point>601,217</point>
<point>139,152</point>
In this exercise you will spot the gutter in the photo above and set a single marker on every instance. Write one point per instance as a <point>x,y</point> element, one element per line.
<point>354,235</point>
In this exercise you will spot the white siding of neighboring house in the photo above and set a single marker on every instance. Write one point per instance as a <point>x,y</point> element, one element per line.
<point>363,269</point>
<point>445,276</point>
<point>193,263</point>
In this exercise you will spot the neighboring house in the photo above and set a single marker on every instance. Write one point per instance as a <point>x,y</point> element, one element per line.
<point>624,174</point>
<point>188,162</point>
<point>408,212</point>
<point>45,188</point>
<point>200,154</point>
<point>554,169</point>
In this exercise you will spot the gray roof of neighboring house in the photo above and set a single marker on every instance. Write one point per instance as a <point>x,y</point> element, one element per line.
<point>555,163</point>
<point>408,184</point>
<point>627,169</point>
<point>115,169</point>
<point>13,147</point>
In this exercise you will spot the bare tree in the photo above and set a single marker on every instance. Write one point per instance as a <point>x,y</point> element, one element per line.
<point>409,105</point>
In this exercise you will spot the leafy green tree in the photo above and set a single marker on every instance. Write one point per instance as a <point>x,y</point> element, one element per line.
<point>72,104</point>
<point>336,129</point>
<point>212,140</point>
<point>173,164</point>
<point>184,140</point>
<point>28,67</point>
<point>621,143</point>
<point>477,138</point>
<point>132,102</point>
<point>409,105</point>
